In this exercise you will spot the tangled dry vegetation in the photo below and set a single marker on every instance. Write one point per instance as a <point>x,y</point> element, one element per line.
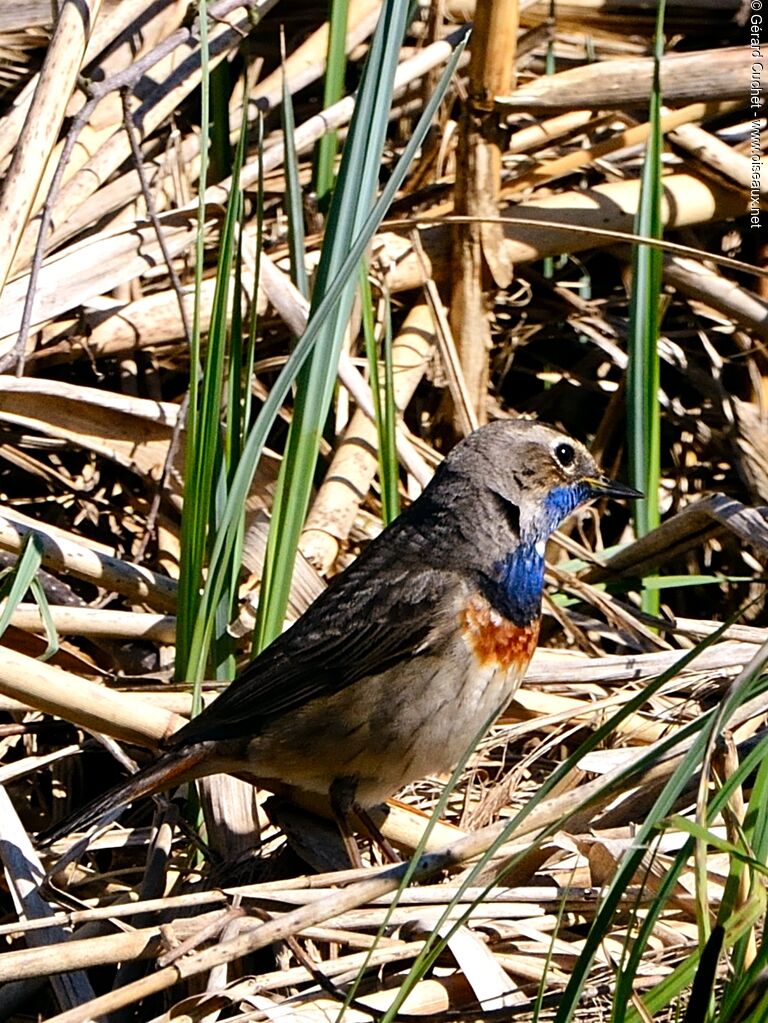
<point>94,326</point>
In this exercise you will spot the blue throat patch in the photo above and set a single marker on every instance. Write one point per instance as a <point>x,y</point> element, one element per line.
<point>515,588</point>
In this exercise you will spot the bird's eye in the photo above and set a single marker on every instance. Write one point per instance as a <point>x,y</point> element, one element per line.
<point>565,454</point>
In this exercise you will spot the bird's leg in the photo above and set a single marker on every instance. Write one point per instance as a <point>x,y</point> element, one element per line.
<point>374,833</point>
<point>344,806</point>
<point>342,799</point>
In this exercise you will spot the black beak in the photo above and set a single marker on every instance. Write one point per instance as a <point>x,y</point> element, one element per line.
<point>601,486</point>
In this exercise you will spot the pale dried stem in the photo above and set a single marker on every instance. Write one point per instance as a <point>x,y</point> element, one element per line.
<point>24,874</point>
<point>690,527</point>
<point>465,414</point>
<point>704,284</point>
<point>306,64</point>
<point>355,464</point>
<point>67,555</point>
<point>42,124</point>
<point>478,253</point>
<point>671,121</point>
<point>687,200</point>
<point>718,156</point>
<point>149,942</point>
<point>685,78</point>
<point>82,702</point>
<point>89,621</point>
<point>153,111</point>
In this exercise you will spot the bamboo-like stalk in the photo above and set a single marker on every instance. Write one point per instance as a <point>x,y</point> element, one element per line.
<point>354,465</point>
<point>23,875</point>
<point>89,621</point>
<point>672,121</point>
<point>705,285</point>
<point>530,229</point>
<point>685,78</point>
<point>82,200</point>
<point>64,554</point>
<point>147,942</point>
<point>478,254</point>
<point>715,154</point>
<point>89,705</point>
<point>226,33</point>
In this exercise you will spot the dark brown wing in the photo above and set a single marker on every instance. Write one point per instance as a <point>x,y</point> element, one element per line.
<point>370,618</point>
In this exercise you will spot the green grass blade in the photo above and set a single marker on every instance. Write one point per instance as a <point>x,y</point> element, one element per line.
<point>333,89</point>
<point>665,801</point>
<point>389,468</point>
<point>253,319</point>
<point>257,436</point>
<point>51,633</point>
<point>352,200</point>
<point>435,946</point>
<point>293,202</point>
<point>19,579</point>
<point>708,729</point>
<point>383,401</point>
<point>193,532</point>
<point>213,449</point>
<point>644,419</point>
<point>736,923</point>
<point>220,152</point>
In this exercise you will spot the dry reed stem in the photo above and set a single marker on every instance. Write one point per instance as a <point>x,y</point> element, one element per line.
<point>476,246</point>
<point>42,124</point>
<point>704,284</point>
<point>24,874</point>
<point>685,78</point>
<point>68,555</point>
<point>671,121</point>
<point>531,229</point>
<point>354,465</point>
<point>84,703</point>
<point>228,32</point>
<point>90,621</point>
<point>131,431</point>
<point>689,527</point>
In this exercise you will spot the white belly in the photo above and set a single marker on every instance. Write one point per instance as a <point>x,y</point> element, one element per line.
<point>413,720</point>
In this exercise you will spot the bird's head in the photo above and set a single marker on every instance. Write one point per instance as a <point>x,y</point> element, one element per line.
<point>540,474</point>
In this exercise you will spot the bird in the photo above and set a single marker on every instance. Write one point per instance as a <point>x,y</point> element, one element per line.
<point>393,669</point>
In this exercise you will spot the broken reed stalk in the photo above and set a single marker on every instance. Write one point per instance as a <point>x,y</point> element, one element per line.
<point>477,251</point>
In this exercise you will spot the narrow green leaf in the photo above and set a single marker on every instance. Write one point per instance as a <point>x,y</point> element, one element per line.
<point>383,401</point>
<point>20,577</point>
<point>389,467</point>
<point>350,211</point>
<point>335,68</point>
<point>333,88</point>
<point>294,206</point>
<point>257,436</point>
<point>23,577</point>
<point>643,414</point>
<point>193,532</point>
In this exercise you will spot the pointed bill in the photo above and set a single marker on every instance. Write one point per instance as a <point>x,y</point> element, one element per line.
<point>602,486</point>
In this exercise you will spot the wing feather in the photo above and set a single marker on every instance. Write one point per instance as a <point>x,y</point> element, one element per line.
<point>370,618</point>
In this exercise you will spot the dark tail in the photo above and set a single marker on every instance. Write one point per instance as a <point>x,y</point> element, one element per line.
<point>173,768</point>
